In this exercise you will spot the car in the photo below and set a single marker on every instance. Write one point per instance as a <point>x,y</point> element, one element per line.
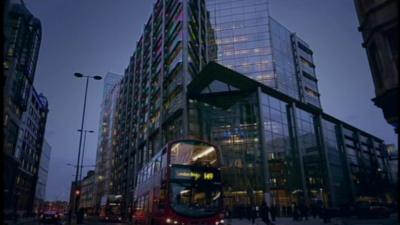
<point>113,218</point>
<point>50,217</point>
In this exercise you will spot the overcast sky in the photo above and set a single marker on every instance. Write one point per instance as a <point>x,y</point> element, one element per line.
<point>94,37</point>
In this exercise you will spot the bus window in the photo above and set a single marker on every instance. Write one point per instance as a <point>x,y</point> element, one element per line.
<point>145,174</point>
<point>146,203</point>
<point>150,170</point>
<point>164,160</point>
<point>139,178</point>
<point>192,153</point>
<point>163,196</point>
<point>157,165</point>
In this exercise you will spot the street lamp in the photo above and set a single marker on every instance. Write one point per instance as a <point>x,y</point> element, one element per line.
<point>83,149</point>
<point>79,75</point>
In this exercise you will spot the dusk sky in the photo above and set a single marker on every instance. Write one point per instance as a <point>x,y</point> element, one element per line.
<point>94,37</point>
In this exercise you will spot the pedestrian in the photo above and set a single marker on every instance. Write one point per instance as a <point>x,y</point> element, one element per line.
<point>302,211</point>
<point>69,216</point>
<point>305,212</point>
<point>253,214</point>
<point>313,210</point>
<point>80,216</point>
<point>240,211</point>
<point>248,212</point>
<point>326,214</point>
<point>264,213</point>
<point>295,212</point>
<point>273,211</point>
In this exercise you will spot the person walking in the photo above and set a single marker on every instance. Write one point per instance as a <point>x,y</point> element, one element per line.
<point>305,212</point>
<point>80,216</point>
<point>69,216</point>
<point>240,211</point>
<point>253,214</point>
<point>249,212</point>
<point>295,212</point>
<point>302,211</point>
<point>264,213</point>
<point>273,211</point>
<point>313,210</point>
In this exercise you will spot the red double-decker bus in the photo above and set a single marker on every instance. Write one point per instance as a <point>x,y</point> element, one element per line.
<point>180,185</point>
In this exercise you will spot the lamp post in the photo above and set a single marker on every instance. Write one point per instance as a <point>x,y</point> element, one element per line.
<point>83,149</point>
<point>79,75</point>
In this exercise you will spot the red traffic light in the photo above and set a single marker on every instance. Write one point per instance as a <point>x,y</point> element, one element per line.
<point>77,192</point>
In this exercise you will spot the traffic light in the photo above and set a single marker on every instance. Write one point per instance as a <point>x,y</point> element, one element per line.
<point>77,192</point>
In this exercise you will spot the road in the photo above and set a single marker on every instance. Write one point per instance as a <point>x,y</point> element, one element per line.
<point>280,221</point>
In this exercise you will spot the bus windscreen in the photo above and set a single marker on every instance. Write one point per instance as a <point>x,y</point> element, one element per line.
<point>194,153</point>
<point>195,199</point>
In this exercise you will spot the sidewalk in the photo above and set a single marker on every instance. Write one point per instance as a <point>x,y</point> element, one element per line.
<point>284,221</point>
<point>21,221</point>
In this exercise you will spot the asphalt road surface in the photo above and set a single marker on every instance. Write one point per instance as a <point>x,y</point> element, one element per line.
<point>392,220</point>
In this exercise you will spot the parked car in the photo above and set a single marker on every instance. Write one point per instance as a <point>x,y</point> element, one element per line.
<point>50,217</point>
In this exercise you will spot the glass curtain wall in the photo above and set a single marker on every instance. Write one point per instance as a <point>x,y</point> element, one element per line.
<point>340,189</point>
<point>368,172</point>
<point>239,37</point>
<point>282,51</point>
<point>283,167</point>
<point>235,130</point>
<point>312,157</point>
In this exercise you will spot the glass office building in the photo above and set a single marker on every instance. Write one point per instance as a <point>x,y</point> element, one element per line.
<point>22,33</point>
<point>246,39</point>
<point>270,143</point>
<point>275,144</point>
<point>105,137</point>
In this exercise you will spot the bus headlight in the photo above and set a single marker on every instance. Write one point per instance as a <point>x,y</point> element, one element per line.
<point>168,220</point>
<point>175,222</point>
<point>220,222</point>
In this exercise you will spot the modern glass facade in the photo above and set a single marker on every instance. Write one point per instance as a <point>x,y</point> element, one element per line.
<point>336,162</point>
<point>29,150</point>
<point>43,171</point>
<point>24,119</point>
<point>241,38</point>
<point>272,143</point>
<point>234,129</point>
<point>283,55</point>
<point>246,39</point>
<point>277,146</point>
<point>284,173</point>
<point>40,193</point>
<point>106,136</point>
